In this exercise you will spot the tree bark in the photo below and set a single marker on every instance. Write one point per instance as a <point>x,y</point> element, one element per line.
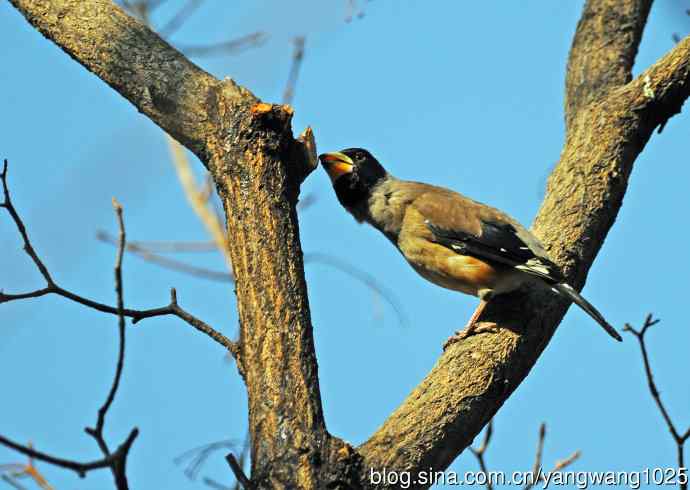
<point>258,167</point>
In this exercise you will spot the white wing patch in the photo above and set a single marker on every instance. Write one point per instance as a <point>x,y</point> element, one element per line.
<point>535,266</point>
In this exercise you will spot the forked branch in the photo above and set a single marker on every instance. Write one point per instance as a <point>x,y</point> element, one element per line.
<point>53,288</point>
<point>678,438</point>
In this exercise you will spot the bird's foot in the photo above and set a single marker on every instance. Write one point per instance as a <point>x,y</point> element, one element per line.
<point>473,329</point>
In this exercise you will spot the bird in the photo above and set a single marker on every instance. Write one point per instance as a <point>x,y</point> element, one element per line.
<point>449,239</point>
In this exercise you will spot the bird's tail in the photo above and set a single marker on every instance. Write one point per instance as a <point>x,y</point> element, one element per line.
<point>573,295</point>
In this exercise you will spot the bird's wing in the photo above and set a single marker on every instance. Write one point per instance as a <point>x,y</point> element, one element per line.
<point>471,228</point>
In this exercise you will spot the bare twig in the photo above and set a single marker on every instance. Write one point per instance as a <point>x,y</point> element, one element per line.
<point>11,480</point>
<point>232,46</point>
<point>28,248</point>
<point>52,288</point>
<point>538,474</point>
<point>210,482</point>
<point>536,469</point>
<point>162,246</point>
<point>97,431</point>
<point>80,468</point>
<point>197,456</point>
<point>179,18</point>
<point>141,249</point>
<point>197,199</point>
<point>479,453</point>
<point>116,461</point>
<point>679,438</point>
<point>244,455</point>
<point>239,472</point>
<point>297,57</point>
<point>150,5</point>
<point>365,277</point>
<point>564,463</point>
<point>12,472</point>
<point>177,265</point>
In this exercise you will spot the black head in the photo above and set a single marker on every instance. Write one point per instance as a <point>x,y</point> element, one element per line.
<point>354,173</point>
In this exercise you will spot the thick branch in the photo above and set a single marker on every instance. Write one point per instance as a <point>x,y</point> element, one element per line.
<point>257,166</point>
<point>472,379</point>
<point>603,50</point>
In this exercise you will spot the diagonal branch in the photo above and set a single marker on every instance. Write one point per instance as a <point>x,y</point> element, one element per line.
<point>471,381</point>
<point>603,50</point>
<point>258,166</point>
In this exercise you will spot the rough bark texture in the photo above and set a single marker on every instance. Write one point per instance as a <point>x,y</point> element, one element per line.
<point>471,380</point>
<point>604,49</point>
<point>258,167</point>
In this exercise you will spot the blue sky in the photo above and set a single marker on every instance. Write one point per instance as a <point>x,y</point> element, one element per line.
<point>467,95</point>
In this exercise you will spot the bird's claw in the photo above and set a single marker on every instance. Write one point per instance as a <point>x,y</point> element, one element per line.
<point>469,330</point>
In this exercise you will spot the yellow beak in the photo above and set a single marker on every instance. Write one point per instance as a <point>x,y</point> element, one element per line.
<point>336,164</point>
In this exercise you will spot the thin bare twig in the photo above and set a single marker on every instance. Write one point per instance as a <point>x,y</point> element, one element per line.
<point>538,474</point>
<point>199,455</point>
<point>162,246</point>
<point>297,57</point>
<point>239,472</point>
<point>536,469</point>
<point>481,451</point>
<point>79,468</point>
<point>198,200</point>
<point>97,431</point>
<point>28,248</point>
<point>148,5</point>
<point>14,471</point>
<point>564,463</point>
<point>179,18</point>
<point>177,265</point>
<point>244,455</point>
<point>365,277</point>
<point>52,288</point>
<point>116,461</point>
<point>141,250</point>
<point>232,46</point>
<point>11,481</point>
<point>679,438</point>
<point>210,482</point>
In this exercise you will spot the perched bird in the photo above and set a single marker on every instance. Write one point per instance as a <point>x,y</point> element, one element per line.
<point>449,239</point>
